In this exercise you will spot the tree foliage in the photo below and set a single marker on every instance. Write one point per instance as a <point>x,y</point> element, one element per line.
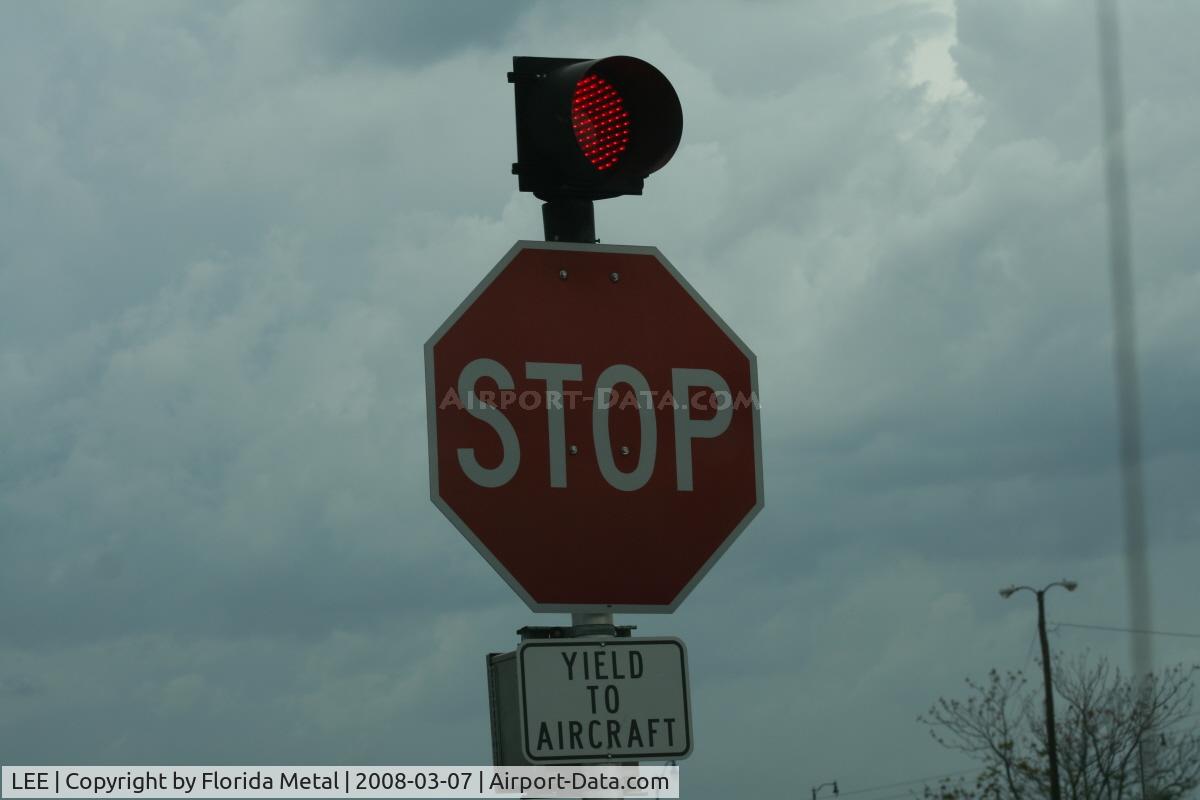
<point>1118,739</point>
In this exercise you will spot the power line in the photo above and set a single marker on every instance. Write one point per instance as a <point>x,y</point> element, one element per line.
<point>1127,630</point>
<point>1029,651</point>
<point>904,783</point>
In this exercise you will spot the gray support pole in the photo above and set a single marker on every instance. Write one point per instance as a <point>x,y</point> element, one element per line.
<point>595,624</point>
<point>587,620</point>
<point>569,221</point>
<point>574,221</point>
<point>1120,253</point>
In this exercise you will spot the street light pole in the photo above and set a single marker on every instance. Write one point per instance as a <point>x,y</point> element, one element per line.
<point>1051,740</point>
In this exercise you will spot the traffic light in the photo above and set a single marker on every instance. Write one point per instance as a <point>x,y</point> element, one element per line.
<point>588,129</point>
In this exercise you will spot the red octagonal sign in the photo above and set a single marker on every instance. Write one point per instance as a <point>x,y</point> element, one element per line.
<point>593,427</point>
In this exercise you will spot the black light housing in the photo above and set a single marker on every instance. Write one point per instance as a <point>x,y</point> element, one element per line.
<point>591,129</point>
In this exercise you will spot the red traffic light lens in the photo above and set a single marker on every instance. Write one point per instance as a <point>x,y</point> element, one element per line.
<point>600,121</point>
<point>588,129</point>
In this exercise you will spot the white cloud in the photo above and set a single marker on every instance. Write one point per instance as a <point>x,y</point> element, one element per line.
<point>229,231</point>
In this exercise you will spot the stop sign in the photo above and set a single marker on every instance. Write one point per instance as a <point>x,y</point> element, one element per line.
<point>593,427</point>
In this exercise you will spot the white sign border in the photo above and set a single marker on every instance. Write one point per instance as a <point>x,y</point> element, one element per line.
<point>431,423</point>
<point>604,642</point>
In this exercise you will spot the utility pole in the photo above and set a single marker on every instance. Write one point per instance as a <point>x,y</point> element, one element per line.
<point>1051,740</point>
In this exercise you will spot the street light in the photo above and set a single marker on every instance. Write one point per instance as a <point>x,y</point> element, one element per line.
<point>817,789</point>
<point>1051,741</point>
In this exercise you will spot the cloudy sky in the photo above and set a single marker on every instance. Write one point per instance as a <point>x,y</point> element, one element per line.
<point>227,230</point>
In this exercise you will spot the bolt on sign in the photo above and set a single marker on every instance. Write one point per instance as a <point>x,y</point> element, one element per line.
<point>593,427</point>
<point>586,700</point>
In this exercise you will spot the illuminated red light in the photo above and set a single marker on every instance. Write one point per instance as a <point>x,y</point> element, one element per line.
<point>600,121</point>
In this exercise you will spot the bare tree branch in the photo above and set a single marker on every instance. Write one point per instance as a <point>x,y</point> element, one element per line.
<point>1100,732</point>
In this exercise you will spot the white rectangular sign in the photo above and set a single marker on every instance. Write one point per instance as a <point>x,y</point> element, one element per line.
<point>594,699</point>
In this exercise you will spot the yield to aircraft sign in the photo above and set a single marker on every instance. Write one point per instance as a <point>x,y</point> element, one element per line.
<point>588,700</point>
